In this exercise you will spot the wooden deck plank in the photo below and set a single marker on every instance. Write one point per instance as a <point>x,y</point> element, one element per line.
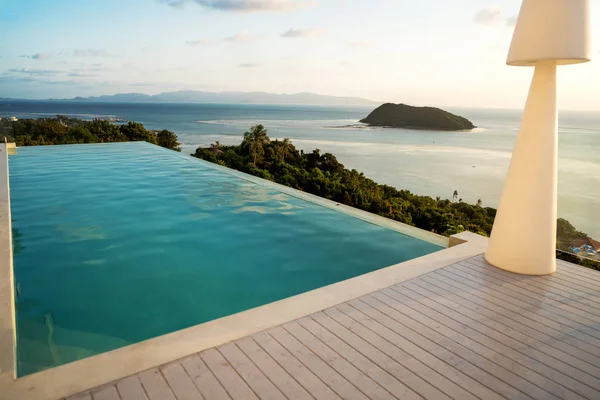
<point>555,381</point>
<point>180,383</point>
<point>540,313</point>
<point>579,283</point>
<point>543,287</point>
<point>583,315</point>
<point>488,298</point>
<point>551,284</point>
<point>227,376</point>
<point>512,283</point>
<point>363,382</point>
<point>360,361</point>
<point>497,372</point>
<point>540,287</point>
<point>280,377</point>
<point>250,373</point>
<point>490,301</point>
<point>538,339</point>
<point>331,377</point>
<point>204,379</point>
<point>155,385</point>
<point>434,370</point>
<point>561,332</point>
<point>558,309</point>
<point>414,303</point>
<point>313,384</point>
<point>554,368</point>
<point>578,270</point>
<point>80,396</point>
<point>130,388</point>
<point>408,377</point>
<point>106,393</point>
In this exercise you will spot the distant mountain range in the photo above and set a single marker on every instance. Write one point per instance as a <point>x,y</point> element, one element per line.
<point>194,96</point>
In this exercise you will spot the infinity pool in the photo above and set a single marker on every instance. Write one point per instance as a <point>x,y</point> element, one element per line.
<point>118,243</point>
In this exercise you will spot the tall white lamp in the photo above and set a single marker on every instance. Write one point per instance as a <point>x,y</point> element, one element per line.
<point>548,33</point>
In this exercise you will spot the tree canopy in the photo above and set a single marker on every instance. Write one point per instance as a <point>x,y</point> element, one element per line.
<point>323,175</point>
<point>65,130</point>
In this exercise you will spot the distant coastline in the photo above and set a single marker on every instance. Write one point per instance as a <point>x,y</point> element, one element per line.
<point>201,97</point>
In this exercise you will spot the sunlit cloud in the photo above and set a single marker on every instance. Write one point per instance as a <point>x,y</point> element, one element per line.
<point>242,37</point>
<point>360,44</point>
<point>302,33</point>
<point>488,15</point>
<point>243,5</point>
<point>197,42</point>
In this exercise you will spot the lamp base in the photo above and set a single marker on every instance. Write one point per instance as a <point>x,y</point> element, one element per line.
<point>523,238</point>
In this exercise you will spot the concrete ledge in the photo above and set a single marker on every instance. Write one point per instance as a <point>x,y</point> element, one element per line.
<point>468,237</point>
<point>94,371</point>
<point>7,315</point>
<point>11,148</point>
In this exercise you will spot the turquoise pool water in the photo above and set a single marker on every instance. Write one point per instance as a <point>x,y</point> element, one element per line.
<point>118,243</point>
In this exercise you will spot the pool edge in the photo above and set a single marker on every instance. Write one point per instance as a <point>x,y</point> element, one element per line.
<point>98,370</point>
<point>7,299</point>
<point>405,229</point>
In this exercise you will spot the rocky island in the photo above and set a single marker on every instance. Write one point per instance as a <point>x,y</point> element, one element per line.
<point>410,117</point>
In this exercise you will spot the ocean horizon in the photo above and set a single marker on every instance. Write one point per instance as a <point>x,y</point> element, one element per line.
<point>425,162</point>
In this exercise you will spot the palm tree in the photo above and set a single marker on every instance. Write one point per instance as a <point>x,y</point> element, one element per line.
<point>455,195</point>
<point>255,139</point>
<point>283,148</point>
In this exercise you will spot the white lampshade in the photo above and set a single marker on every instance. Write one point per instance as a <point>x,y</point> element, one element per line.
<point>557,30</point>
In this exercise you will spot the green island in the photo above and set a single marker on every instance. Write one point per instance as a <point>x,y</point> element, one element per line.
<point>279,161</point>
<point>409,117</point>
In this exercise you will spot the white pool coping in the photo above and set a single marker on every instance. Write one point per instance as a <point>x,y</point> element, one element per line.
<point>75,377</point>
<point>7,315</point>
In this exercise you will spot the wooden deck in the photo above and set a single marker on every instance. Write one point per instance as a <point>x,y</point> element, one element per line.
<point>467,331</point>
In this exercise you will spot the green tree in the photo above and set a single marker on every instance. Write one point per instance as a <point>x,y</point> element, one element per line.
<point>455,195</point>
<point>283,148</point>
<point>256,139</point>
<point>135,131</point>
<point>479,203</point>
<point>167,139</point>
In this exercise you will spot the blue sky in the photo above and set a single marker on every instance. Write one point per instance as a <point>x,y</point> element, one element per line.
<point>433,52</point>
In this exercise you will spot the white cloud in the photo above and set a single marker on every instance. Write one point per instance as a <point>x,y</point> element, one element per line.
<point>302,33</point>
<point>91,53</point>
<point>359,44</point>
<point>242,37</point>
<point>511,21</point>
<point>244,5</point>
<point>248,65</point>
<point>197,42</point>
<point>488,15</point>
<point>34,72</point>
<point>38,56</point>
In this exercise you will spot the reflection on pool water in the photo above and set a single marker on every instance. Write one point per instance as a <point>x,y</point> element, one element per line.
<point>118,243</point>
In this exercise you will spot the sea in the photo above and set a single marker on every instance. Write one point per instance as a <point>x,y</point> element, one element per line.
<point>425,162</point>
